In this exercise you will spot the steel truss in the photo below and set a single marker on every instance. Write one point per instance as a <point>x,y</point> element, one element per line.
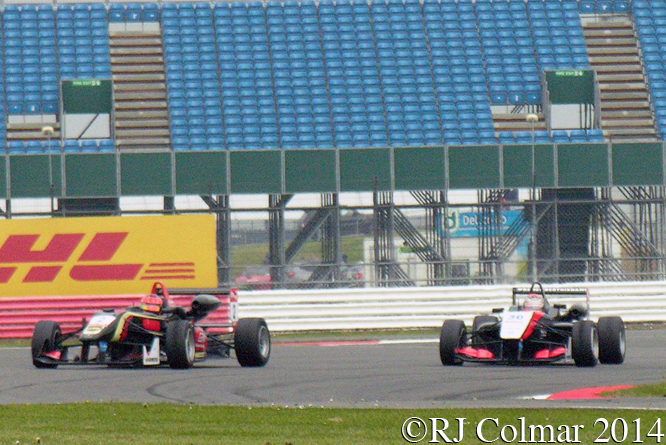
<point>569,235</point>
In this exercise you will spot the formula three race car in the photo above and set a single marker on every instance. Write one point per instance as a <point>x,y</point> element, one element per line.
<point>156,332</point>
<point>532,331</point>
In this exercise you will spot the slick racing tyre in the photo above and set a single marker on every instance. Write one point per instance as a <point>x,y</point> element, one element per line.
<point>252,342</point>
<point>179,344</point>
<point>612,340</point>
<point>451,337</point>
<point>45,339</point>
<point>585,343</point>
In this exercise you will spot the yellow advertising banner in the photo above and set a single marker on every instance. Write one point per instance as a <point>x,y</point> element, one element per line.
<point>106,255</point>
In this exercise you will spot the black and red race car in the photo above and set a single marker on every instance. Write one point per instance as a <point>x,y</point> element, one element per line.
<point>532,331</point>
<point>157,332</point>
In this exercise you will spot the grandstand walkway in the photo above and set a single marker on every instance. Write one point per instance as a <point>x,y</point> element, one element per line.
<point>140,98</point>
<point>614,54</point>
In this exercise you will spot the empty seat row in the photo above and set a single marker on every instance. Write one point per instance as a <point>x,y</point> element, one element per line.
<point>15,147</point>
<point>309,51</point>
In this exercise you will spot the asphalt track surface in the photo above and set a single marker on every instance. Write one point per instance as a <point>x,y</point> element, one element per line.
<point>388,375</point>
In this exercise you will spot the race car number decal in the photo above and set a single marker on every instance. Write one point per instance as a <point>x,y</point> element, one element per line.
<point>98,322</point>
<point>514,325</point>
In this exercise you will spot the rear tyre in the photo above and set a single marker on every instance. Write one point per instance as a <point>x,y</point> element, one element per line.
<point>179,344</point>
<point>451,337</point>
<point>252,342</point>
<point>585,344</point>
<point>612,340</point>
<point>45,339</point>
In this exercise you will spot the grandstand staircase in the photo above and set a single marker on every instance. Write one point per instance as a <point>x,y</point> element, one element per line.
<point>613,53</point>
<point>139,90</point>
<point>515,119</point>
<point>26,131</point>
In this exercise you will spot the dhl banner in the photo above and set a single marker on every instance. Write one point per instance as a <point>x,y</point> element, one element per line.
<point>106,255</point>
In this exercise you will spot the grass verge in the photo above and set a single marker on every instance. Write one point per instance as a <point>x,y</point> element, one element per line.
<point>653,390</point>
<point>165,424</point>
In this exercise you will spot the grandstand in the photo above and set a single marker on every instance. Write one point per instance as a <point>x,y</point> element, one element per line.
<point>198,76</point>
<point>211,99</point>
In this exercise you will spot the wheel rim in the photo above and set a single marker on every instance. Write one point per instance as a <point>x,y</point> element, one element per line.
<point>623,344</point>
<point>189,345</point>
<point>595,343</point>
<point>264,341</point>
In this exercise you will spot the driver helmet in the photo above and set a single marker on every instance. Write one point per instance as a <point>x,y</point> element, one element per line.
<point>534,302</point>
<point>152,303</point>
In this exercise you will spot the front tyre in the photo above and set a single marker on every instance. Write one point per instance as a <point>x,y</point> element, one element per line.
<point>612,340</point>
<point>451,338</point>
<point>45,339</point>
<point>252,342</point>
<point>585,344</point>
<point>179,344</point>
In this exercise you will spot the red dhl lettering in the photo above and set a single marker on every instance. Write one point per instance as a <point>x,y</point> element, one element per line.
<point>18,249</point>
<point>102,248</point>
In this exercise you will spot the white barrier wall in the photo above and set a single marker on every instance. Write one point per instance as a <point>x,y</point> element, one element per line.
<point>428,307</point>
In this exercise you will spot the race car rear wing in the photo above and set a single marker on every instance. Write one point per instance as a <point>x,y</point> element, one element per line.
<point>539,289</point>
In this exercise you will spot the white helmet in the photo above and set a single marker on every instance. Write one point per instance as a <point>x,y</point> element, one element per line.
<point>534,302</point>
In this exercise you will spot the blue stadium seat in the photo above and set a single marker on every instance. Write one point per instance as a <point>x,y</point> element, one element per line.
<point>507,137</point>
<point>89,146</point>
<point>560,136</point>
<point>541,137</point>
<point>595,135</point>
<point>72,146</point>
<point>620,6</point>
<point>578,135</point>
<point>106,146</point>
<point>523,137</point>
<point>586,6</point>
<point>16,147</point>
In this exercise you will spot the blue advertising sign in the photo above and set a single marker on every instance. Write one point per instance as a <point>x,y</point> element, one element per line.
<point>461,224</point>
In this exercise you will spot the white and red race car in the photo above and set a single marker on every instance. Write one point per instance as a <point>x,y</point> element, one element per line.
<point>532,330</point>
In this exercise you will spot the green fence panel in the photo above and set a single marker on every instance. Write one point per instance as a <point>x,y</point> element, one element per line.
<point>365,169</point>
<point>256,171</point>
<point>91,175</point>
<point>517,166</point>
<point>583,165</point>
<point>29,176</point>
<point>201,173</point>
<point>325,171</point>
<point>638,164</point>
<point>473,167</point>
<point>419,168</point>
<point>145,174</point>
<point>310,171</point>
